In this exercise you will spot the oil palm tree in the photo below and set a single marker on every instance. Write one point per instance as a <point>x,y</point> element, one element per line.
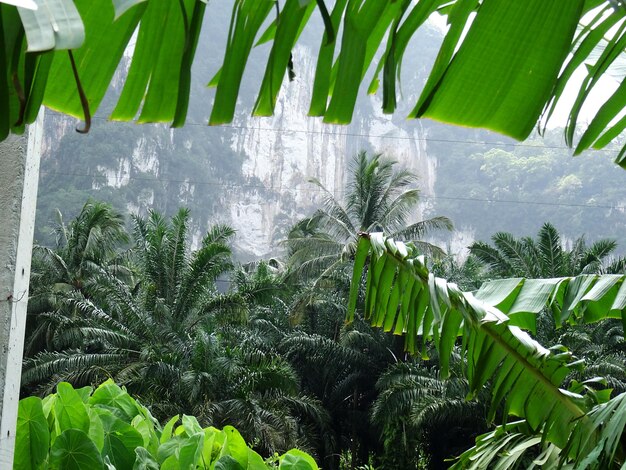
<point>161,337</point>
<point>378,197</point>
<point>423,418</point>
<point>124,330</point>
<point>95,243</point>
<point>89,245</point>
<point>543,257</point>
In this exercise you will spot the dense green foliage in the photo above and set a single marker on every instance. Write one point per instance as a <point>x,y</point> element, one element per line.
<point>518,67</point>
<point>544,257</point>
<point>264,347</point>
<point>517,188</point>
<point>563,420</point>
<point>378,197</point>
<point>105,428</point>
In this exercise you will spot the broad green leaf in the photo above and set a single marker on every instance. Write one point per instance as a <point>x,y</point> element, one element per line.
<point>363,30</point>
<point>598,449</point>
<point>84,393</point>
<point>235,446</point>
<point>10,33</point>
<point>55,24</point>
<point>120,440</point>
<point>526,377</point>
<point>321,83</point>
<point>227,462</point>
<point>290,24</point>
<point>255,461</point>
<point>73,450</point>
<point>32,438</point>
<point>208,451</point>
<point>181,452</point>
<point>154,76</point>
<point>398,43</point>
<point>111,395</point>
<point>96,430</point>
<point>359,263</point>
<point>594,73</point>
<point>531,299</point>
<point>500,292</point>
<point>144,460</point>
<point>505,68</point>
<point>167,429</point>
<point>246,20</point>
<point>97,59</point>
<point>69,409</point>
<point>122,6</point>
<point>189,52</point>
<point>457,19</point>
<point>191,425</point>
<point>588,39</point>
<point>609,110</point>
<point>297,460</point>
<point>599,300</point>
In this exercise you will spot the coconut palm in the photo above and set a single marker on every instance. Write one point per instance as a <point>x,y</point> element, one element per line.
<point>378,197</point>
<point>545,257</point>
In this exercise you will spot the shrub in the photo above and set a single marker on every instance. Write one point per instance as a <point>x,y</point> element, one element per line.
<point>105,428</point>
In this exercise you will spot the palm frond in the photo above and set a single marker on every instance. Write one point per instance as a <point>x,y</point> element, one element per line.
<point>551,251</point>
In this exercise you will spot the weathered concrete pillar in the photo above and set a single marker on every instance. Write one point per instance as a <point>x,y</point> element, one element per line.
<point>19,177</point>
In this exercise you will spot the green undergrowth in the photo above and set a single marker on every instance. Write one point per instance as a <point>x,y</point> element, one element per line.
<point>105,428</point>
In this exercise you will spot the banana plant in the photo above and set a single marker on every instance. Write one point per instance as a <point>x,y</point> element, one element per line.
<point>492,325</point>
<point>507,73</point>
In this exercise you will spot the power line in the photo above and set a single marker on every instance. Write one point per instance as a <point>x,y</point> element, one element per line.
<point>363,135</point>
<point>537,203</point>
<point>319,190</point>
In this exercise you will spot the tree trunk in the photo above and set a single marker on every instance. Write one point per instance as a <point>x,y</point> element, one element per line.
<point>19,177</point>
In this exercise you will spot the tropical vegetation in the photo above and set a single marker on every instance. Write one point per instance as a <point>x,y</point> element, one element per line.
<point>105,427</point>
<point>544,257</point>
<point>561,420</point>
<point>517,83</point>
<point>265,346</point>
<point>377,197</point>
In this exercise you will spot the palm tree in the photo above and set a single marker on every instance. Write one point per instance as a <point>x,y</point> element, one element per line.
<point>167,339</point>
<point>124,330</point>
<point>92,245</point>
<point>544,257</point>
<point>378,197</point>
<point>422,417</point>
<point>468,274</point>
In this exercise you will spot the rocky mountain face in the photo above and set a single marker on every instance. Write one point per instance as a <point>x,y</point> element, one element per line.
<point>283,152</point>
<point>252,174</point>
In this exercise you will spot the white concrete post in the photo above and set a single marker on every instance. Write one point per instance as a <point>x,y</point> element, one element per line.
<point>19,177</point>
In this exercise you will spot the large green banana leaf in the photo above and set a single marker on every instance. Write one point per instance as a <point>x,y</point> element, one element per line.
<point>502,65</point>
<point>524,378</point>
